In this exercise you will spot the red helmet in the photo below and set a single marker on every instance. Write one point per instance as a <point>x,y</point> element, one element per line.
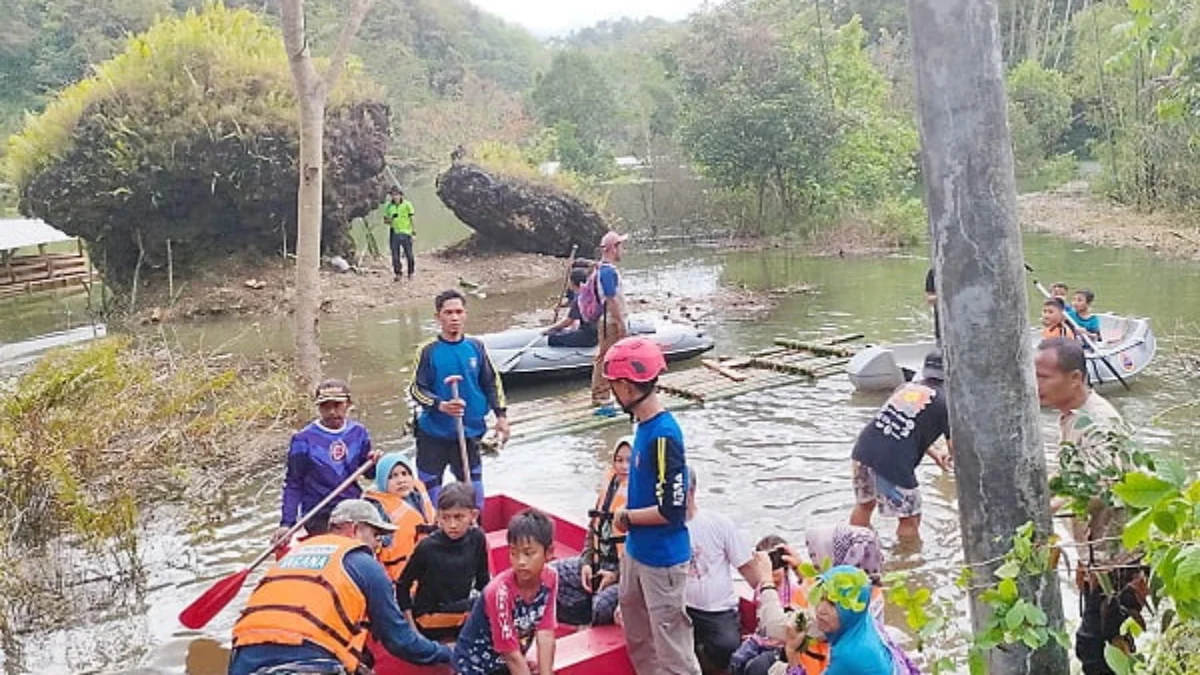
<point>636,359</point>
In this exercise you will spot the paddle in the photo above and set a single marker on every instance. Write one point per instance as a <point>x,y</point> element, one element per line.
<point>511,361</point>
<point>205,607</point>
<point>566,282</point>
<point>1087,340</point>
<point>453,381</point>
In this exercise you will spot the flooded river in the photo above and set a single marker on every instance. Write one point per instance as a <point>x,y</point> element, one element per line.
<point>775,461</point>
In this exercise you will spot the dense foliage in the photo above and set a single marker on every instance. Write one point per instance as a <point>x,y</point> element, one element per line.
<point>190,136</point>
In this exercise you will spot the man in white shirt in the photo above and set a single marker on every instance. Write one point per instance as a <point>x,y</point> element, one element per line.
<point>712,602</point>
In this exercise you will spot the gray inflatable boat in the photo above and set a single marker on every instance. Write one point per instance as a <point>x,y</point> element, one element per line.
<point>678,342</point>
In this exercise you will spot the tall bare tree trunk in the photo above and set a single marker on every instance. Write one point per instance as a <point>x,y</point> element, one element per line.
<point>967,166</point>
<point>312,91</point>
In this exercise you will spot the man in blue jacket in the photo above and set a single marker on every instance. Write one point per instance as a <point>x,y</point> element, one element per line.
<point>452,352</point>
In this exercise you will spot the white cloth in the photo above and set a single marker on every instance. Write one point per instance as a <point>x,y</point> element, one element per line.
<point>717,548</point>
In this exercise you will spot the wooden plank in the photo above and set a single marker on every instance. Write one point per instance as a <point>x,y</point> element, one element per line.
<point>814,347</point>
<point>723,370</point>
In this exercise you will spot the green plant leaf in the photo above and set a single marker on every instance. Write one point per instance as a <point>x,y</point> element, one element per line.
<point>1137,530</point>
<point>1141,490</point>
<point>1008,570</point>
<point>1118,660</point>
<point>1007,588</point>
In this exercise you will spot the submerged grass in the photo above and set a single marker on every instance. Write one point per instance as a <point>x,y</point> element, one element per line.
<point>89,436</point>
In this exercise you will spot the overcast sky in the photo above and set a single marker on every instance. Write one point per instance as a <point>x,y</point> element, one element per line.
<point>559,17</point>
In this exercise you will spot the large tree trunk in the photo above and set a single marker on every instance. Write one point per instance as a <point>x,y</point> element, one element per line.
<point>311,92</point>
<point>967,166</point>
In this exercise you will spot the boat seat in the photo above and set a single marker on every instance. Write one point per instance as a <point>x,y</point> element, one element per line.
<point>497,543</point>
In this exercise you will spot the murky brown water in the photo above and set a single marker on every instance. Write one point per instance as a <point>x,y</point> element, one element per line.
<point>776,461</point>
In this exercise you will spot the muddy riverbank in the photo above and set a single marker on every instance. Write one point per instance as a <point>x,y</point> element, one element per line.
<point>1073,211</point>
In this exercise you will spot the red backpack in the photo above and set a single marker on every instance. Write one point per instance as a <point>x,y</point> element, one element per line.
<point>590,298</point>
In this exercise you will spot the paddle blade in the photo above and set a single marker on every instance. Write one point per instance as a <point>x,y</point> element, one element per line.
<point>205,607</point>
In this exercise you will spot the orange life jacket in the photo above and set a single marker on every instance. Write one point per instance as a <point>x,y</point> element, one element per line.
<point>407,521</point>
<point>611,498</point>
<point>308,597</point>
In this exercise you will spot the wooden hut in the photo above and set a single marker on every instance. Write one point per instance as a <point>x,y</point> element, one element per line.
<point>23,271</point>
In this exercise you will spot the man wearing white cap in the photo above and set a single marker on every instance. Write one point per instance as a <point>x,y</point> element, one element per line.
<point>611,326</point>
<point>313,610</point>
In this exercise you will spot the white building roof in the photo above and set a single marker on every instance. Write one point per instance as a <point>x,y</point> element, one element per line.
<point>22,232</point>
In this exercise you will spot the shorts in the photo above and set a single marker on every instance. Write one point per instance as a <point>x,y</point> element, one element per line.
<point>893,500</point>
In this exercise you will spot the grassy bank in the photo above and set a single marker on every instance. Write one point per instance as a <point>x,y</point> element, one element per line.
<point>92,439</point>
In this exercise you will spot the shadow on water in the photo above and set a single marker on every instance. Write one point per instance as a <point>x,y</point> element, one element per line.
<point>775,460</point>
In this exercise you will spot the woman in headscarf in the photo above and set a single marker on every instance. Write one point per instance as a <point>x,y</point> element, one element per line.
<point>856,646</point>
<point>587,585</point>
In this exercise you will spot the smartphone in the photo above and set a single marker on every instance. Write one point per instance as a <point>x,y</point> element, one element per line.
<point>776,556</point>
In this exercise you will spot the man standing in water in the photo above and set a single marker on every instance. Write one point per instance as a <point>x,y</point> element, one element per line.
<point>654,569</point>
<point>398,214</point>
<point>451,353</point>
<point>891,446</point>
<point>1095,449</point>
<point>611,325</point>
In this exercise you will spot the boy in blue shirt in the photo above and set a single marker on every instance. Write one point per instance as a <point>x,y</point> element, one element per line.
<point>321,456</point>
<point>1081,313</point>
<point>452,352</point>
<point>658,632</point>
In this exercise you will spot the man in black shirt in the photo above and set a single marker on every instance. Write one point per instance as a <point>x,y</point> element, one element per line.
<point>573,331</point>
<point>891,446</point>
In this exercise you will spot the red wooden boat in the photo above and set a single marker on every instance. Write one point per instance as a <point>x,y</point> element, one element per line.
<point>589,650</point>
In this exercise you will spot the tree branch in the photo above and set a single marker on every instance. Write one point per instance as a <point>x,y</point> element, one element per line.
<point>295,42</point>
<point>337,62</point>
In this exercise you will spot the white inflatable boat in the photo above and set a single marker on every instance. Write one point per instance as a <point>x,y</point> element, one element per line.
<point>1128,345</point>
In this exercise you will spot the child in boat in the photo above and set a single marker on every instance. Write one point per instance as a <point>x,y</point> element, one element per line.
<point>1080,312</point>
<point>322,456</point>
<point>517,607</point>
<point>1059,289</point>
<point>759,651</point>
<point>450,567</point>
<point>1053,323</point>
<point>572,330</point>
<point>401,497</point>
<point>587,584</point>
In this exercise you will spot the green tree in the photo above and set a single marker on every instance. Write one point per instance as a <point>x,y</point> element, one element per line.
<point>575,94</point>
<point>1039,116</point>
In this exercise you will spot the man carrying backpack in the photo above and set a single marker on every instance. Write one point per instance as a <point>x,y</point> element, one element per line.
<point>602,303</point>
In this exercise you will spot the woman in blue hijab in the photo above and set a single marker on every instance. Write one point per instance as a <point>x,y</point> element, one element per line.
<point>856,647</point>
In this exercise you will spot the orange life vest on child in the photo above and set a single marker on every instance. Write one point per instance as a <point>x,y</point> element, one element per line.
<point>407,521</point>
<point>308,597</point>
<point>611,498</point>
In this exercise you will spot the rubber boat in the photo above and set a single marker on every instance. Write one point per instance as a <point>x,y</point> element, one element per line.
<point>586,650</point>
<point>678,342</point>
<point>1128,345</point>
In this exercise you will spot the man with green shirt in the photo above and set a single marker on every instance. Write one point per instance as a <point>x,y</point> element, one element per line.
<point>398,214</point>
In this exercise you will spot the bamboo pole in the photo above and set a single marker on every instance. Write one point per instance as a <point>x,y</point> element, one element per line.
<point>814,347</point>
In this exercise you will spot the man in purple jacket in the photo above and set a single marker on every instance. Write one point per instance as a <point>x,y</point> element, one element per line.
<point>322,455</point>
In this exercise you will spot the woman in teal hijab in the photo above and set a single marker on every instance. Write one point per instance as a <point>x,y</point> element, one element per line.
<point>856,647</point>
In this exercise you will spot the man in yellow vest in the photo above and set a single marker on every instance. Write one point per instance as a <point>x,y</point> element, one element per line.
<point>312,612</point>
<point>398,214</point>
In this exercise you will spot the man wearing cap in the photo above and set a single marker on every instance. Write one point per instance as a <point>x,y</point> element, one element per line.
<point>891,445</point>
<point>312,612</point>
<point>398,214</point>
<point>611,326</point>
<point>322,456</point>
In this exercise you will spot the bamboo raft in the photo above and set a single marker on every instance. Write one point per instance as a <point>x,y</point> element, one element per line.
<point>787,362</point>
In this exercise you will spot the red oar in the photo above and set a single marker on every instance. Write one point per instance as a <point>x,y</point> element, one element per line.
<point>205,607</point>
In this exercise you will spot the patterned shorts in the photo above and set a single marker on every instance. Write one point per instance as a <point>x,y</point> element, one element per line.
<point>893,500</point>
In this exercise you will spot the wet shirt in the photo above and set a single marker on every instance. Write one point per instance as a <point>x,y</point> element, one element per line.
<point>892,444</point>
<point>446,571</point>
<point>658,478</point>
<point>504,622</point>
<point>320,459</point>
